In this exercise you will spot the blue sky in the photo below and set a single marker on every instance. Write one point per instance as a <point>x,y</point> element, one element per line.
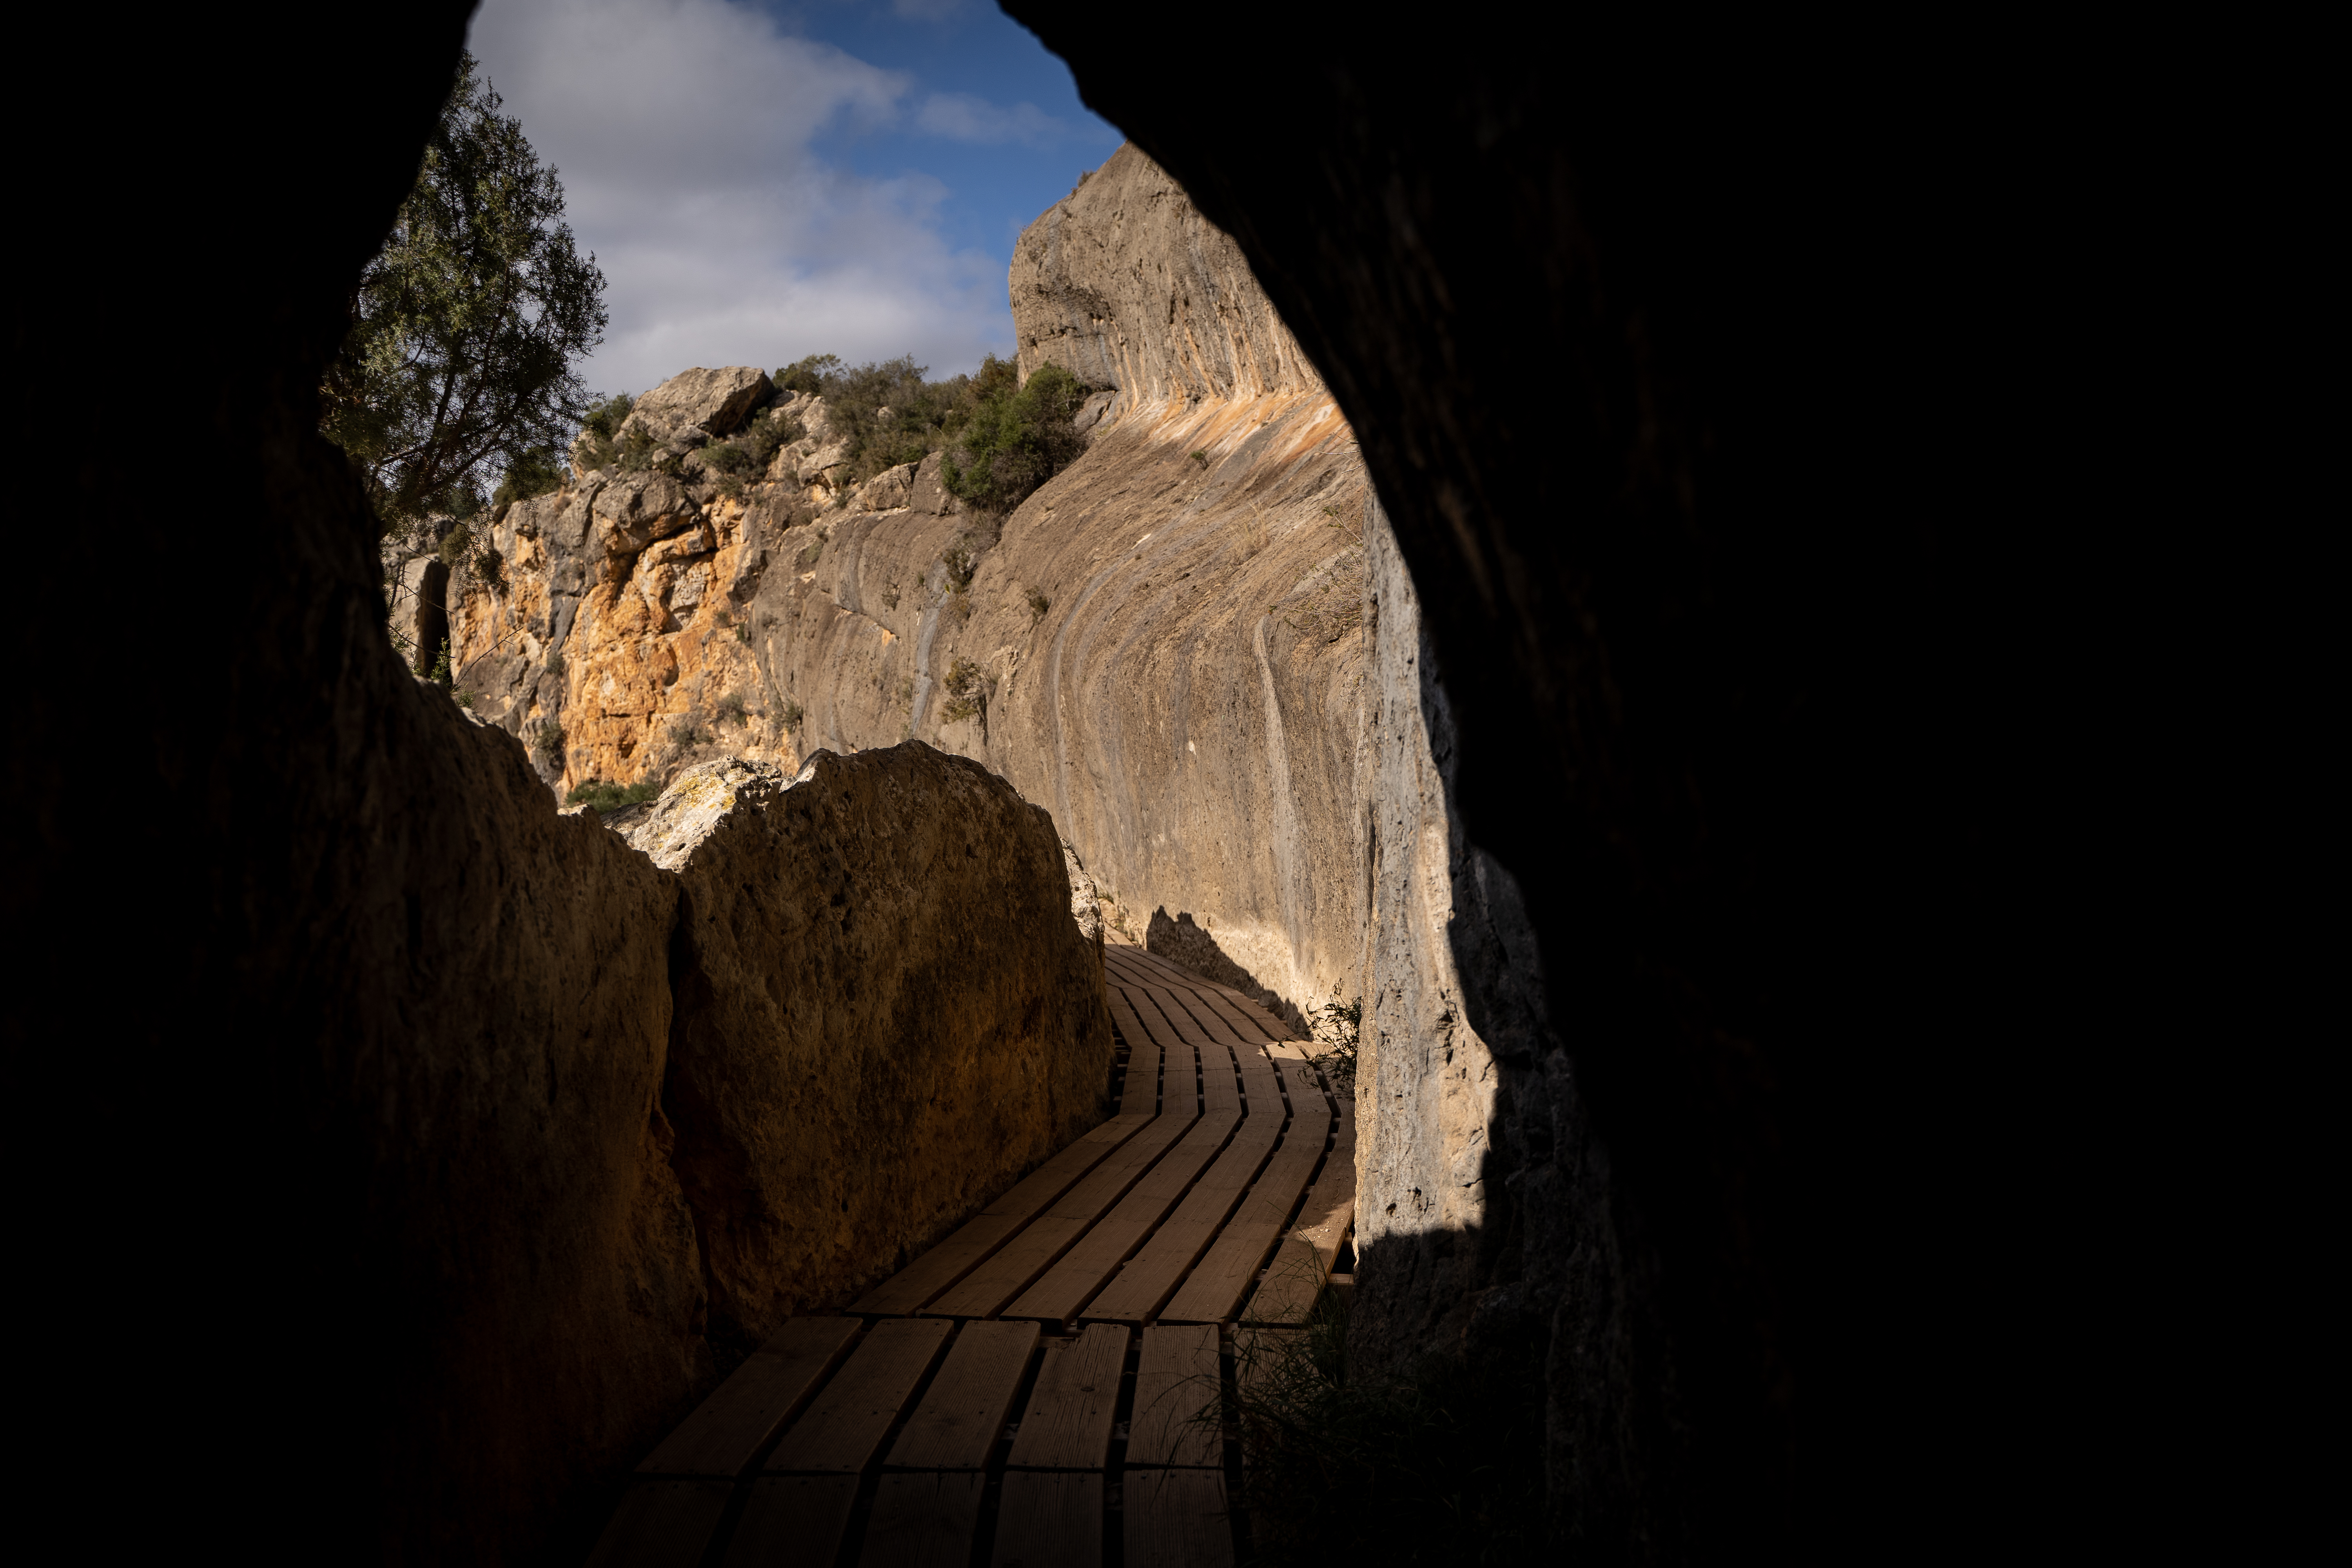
<point>764,180</point>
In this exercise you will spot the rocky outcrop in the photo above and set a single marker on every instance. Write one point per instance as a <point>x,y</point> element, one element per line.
<point>711,402</point>
<point>885,1011</point>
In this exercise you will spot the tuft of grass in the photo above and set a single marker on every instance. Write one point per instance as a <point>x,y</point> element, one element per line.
<point>791,716</point>
<point>612,797</point>
<point>1201,459</point>
<point>1038,606</point>
<point>546,740</point>
<point>1441,1466</point>
<point>967,692</point>
<point>961,560</point>
<point>732,709</point>
<point>554,666</point>
<point>684,732</point>
<point>1337,1025</point>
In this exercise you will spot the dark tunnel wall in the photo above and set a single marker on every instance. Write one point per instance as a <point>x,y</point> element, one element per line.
<point>1645,335</point>
<point>1620,314</point>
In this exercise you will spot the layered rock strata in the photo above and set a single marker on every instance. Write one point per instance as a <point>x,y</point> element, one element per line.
<point>1164,645</point>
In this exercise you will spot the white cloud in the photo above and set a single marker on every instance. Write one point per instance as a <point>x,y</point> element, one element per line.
<point>961,117</point>
<point>682,129</point>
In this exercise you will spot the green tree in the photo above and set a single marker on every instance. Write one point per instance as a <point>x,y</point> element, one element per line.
<point>457,369</point>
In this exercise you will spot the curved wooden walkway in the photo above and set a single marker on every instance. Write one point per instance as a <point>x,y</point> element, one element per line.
<point>1041,1389</point>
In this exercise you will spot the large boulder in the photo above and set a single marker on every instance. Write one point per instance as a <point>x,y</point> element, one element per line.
<point>716,401</point>
<point>885,1011</point>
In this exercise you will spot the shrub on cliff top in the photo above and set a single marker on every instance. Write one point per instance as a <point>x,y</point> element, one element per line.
<point>1002,439</point>
<point>601,428</point>
<point>1016,439</point>
<point>612,797</point>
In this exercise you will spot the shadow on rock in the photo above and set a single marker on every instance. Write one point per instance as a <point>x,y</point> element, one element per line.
<point>1180,941</point>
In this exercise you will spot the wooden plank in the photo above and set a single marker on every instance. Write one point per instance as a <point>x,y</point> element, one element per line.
<point>970,1401</point>
<point>1136,960</point>
<point>1062,1290</point>
<point>1048,1520</point>
<point>725,1432</point>
<point>662,1522</point>
<point>1343,1129</point>
<point>1153,964</point>
<point>1138,1014</point>
<point>1262,1085</point>
<point>923,1521</point>
<point>1301,1083</point>
<point>792,1522</point>
<point>1233,1004</point>
<point>942,1266</point>
<point>1159,1265</point>
<point>1293,1280</point>
<point>1139,1091</point>
<point>1330,1209</point>
<point>1066,1424</point>
<point>1247,1017</point>
<point>1219,1089</point>
<point>1123,1012</point>
<point>1227,1269</point>
<point>1176,1398</point>
<point>1022,1259</point>
<point>1210,1020</point>
<point>1177,1519</point>
<point>852,1415</point>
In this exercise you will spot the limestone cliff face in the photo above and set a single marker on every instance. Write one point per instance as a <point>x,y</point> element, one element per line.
<point>1126,285</point>
<point>1164,647</point>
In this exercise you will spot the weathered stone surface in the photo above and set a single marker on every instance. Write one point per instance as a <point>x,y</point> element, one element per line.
<point>818,461</point>
<point>667,828</point>
<point>886,1012</point>
<point>890,489</point>
<point>1124,284</point>
<point>925,494</point>
<point>1455,994</point>
<point>1085,900</point>
<point>716,400</point>
<point>633,511</point>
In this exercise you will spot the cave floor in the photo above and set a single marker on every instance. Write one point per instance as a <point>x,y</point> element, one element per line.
<point>1045,1387</point>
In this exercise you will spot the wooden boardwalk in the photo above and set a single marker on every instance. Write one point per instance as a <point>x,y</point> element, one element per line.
<point>1043,1388</point>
